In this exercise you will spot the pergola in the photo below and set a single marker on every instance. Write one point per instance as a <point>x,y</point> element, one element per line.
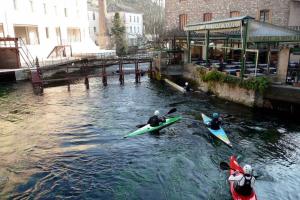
<point>246,30</point>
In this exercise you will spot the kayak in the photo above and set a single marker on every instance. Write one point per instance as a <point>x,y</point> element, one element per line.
<point>234,166</point>
<point>220,134</point>
<point>147,128</point>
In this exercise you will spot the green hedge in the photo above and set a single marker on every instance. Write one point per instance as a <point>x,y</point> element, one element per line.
<point>257,84</point>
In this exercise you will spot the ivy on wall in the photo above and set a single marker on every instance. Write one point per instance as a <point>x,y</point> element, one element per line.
<point>259,84</point>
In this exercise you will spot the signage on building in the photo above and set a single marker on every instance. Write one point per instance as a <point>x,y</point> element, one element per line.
<point>214,26</point>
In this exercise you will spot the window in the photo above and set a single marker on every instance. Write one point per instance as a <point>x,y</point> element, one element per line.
<point>29,34</point>
<point>95,29</point>
<point>66,12</point>
<point>235,14</point>
<point>94,16</point>
<point>45,9</point>
<point>74,35</point>
<point>130,29</point>
<point>15,5</point>
<point>134,29</point>
<point>264,16</point>
<point>47,32</point>
<point>130,18</point>
<point>1,31</point>
<point>31,6</point>
<point>138,19</point>
<point>207,17</point>
<point>55,10</point>
<point>182,21</point>
<point>138,29</point>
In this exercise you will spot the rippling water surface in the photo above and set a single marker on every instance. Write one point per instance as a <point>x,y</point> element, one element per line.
<point>69,145</point>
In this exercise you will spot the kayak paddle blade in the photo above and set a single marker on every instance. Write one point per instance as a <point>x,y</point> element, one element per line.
<point>224,166</point>
<point>172,111</point>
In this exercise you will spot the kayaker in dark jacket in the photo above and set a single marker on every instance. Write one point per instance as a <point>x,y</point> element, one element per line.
<point>155,120</point>
<point>215,122</point>
<point>187,87</point>
<point>243,183</point>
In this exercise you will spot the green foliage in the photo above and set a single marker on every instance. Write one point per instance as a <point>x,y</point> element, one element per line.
<point>118,32</point>
<point>257,84</point>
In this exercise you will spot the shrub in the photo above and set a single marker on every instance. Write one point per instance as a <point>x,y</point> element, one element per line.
<point>259,84</point>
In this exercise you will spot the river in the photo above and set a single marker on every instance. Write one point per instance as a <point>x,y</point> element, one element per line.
<point>69,145</point>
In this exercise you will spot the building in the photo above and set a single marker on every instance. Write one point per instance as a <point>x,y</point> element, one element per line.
<point>93,16</point>
<point>182,12</point>
<point>44,25</point>
<point>132,20</point>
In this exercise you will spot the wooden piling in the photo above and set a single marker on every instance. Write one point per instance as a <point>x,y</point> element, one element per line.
<point>151,70</point>
<point>104,75</point>
<point>121,72</point>
<point>137,72</point>
<point>69,87</point>
<point>87,83</point>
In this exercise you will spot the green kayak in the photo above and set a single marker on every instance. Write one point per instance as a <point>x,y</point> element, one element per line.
<point>147,128</point>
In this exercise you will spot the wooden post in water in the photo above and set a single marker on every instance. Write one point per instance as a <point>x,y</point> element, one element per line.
<point>121,72</point>
<point>104,75</point>
<point>137,72</point>
<point>86,80</point>
<point>151,70</point>
<point>69,88</point>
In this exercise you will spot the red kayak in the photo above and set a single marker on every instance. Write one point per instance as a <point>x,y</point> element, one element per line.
<point>234,166</point>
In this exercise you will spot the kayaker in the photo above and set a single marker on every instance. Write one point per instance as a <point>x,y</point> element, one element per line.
<point>155,120</point>
<point>215,122</point>
<point>187,87</point>
<point>243,183</point>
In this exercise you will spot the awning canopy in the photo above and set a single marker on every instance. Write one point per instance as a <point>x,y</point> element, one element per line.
<point>265,32</point>
<point>257,31</point>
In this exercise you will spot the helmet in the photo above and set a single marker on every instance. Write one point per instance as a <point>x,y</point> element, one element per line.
<point>215,115</point>
<point>247,169</point>
<point>156,113</point>
<point>186,83</point>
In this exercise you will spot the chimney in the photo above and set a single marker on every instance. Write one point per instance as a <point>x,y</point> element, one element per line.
<point>103,30</point>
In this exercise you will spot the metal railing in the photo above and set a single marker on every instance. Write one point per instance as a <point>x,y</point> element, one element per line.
<point>25,54</point>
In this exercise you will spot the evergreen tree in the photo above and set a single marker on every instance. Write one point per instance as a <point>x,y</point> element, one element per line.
<point>118,32</point>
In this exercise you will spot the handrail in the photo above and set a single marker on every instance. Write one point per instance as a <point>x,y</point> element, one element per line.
<point>22,44</point>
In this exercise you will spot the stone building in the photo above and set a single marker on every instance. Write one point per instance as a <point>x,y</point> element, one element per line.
<point>278,12</point>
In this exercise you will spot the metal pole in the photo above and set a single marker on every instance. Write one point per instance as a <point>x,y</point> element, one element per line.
<point>189,46</point>
<point>207,46</point>
<point>244,47</point>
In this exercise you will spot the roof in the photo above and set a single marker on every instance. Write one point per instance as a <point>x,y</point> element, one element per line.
<point>265,32</point>
<point>121,8</point>
<point>257,31</point>
<point>228,23</point>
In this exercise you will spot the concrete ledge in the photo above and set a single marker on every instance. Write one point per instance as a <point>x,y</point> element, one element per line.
<point>175,86</point>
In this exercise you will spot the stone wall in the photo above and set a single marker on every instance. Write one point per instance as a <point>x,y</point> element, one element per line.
<point>221,9</point>
<point>223,90</point>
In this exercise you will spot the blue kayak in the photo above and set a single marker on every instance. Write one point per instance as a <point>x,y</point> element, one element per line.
<point>220,134</point>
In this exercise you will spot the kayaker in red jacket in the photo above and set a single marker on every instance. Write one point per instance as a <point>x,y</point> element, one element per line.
<point>243,183</point>
<point>155,120</point>
<point>215,122</point>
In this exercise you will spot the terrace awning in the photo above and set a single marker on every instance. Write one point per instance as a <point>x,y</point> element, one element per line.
<point>265,32</point>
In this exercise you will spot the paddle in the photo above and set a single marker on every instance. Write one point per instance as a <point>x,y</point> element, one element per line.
<point>170,112</point>
<point>225,166</point>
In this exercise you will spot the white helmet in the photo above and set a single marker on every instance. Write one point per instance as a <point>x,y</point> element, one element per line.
<point>156,113</point>
<point>247,169</point>
<point>186,83</point>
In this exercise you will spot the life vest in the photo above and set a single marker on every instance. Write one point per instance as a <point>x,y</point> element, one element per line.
<point>245,189</point>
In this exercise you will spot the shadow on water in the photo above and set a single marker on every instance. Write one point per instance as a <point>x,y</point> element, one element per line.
<point>70,145</point>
